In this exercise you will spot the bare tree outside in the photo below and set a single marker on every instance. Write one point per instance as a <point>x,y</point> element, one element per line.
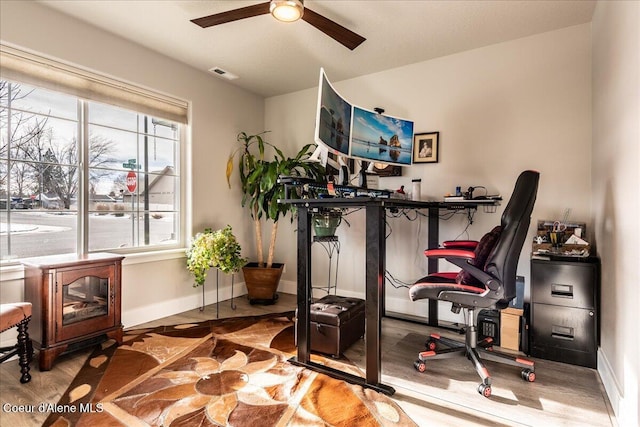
<point>41,199</point>
<point>23,130</point>
<point>37,164</point>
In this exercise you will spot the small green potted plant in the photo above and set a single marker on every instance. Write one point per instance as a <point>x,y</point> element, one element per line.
<point>218,249</point>
<point>326,221</point>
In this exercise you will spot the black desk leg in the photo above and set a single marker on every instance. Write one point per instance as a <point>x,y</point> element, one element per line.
<point>304,284</point>
<point>374,284</point>
<point>432,266</point>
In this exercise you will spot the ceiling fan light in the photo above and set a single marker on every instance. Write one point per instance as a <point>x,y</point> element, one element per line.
<point>286,10</point>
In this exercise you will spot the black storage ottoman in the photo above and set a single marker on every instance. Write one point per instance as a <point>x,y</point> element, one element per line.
<point>336,323</point>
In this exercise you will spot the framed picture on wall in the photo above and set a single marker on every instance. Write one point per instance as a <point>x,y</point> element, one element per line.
<point>426,147</point>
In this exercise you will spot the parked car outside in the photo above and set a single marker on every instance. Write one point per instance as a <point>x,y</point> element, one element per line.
<point>17,203</point>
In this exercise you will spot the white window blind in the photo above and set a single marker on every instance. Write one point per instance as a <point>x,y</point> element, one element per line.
<point>22,66</point>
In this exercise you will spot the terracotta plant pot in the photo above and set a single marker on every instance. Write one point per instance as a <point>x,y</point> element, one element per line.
<point>262,282</point>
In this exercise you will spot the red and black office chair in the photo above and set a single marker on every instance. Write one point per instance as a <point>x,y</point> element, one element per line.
<point>487,280</point>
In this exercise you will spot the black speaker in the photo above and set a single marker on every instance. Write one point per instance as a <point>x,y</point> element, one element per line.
<point>489,325</point>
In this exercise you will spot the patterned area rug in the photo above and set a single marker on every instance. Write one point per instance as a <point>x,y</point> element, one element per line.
<point>226,372</point>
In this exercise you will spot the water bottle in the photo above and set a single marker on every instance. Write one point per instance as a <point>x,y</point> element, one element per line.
<point>415,188</point>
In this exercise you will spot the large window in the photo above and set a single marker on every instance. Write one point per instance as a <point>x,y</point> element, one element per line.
<point>82,176</point>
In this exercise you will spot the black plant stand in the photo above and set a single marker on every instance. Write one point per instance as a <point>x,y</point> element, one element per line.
<point>233,306</point>
<point>331,245</point>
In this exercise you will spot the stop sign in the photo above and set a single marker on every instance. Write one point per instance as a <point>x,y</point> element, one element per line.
<point>132,181</point>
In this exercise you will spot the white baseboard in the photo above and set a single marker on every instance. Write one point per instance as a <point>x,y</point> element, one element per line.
<point>611,386</point>
<point>291,287</point>
<point>149,313</point>
<point>624,399</point>
<point>288,287</point>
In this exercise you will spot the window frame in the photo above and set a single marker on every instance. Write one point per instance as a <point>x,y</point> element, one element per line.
<point>83,211</point>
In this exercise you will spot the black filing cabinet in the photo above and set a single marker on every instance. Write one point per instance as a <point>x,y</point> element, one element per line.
<point>564,310</point>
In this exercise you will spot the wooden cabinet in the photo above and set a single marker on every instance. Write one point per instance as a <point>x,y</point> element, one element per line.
<point>76,300</point>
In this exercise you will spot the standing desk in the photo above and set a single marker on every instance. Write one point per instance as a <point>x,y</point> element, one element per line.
<point>374,278</point>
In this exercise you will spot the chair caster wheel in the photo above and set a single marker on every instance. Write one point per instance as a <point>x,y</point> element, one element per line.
<point>430,344</point>
<point>420,365</point>
<point>484,390</point>
<point>528,375</point>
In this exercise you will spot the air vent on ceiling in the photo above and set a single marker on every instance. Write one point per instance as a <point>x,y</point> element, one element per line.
<point>222,73</point>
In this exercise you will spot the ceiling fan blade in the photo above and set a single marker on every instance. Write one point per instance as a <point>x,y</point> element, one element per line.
<point>334,30</point>
<point>232,15</point>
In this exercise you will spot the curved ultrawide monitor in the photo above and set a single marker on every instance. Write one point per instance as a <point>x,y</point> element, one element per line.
<point>348,130</point>
<point>333,119</point>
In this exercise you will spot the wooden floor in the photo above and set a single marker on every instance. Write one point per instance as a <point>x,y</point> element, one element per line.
<point>444,395</point>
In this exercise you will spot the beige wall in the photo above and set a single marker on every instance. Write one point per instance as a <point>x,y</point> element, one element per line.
<point>501,109</point>
<point>153,289</point>
<point>616,195</point>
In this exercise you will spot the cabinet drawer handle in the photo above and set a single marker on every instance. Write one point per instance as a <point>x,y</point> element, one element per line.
<point>561,291</point>
<point>562,332</point>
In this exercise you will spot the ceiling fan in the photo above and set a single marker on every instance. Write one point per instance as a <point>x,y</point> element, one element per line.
<point>286,11</point>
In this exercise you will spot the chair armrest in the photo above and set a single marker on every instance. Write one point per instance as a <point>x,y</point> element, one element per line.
<point>462,258</point>
<point>450,253</point>
<point>485,278</point>
<point>460,244</point>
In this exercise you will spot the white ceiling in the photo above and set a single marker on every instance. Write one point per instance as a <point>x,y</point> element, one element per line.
<point>273,58</point>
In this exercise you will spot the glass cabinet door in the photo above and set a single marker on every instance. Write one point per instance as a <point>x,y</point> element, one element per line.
<point>85,301</point>
<point>84,298</point>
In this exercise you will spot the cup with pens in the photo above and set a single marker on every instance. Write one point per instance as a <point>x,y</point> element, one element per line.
<point>556,235</point>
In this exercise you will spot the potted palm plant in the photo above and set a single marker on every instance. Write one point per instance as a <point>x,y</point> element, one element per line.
<point>218,249</point>
<point>261,191</point>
